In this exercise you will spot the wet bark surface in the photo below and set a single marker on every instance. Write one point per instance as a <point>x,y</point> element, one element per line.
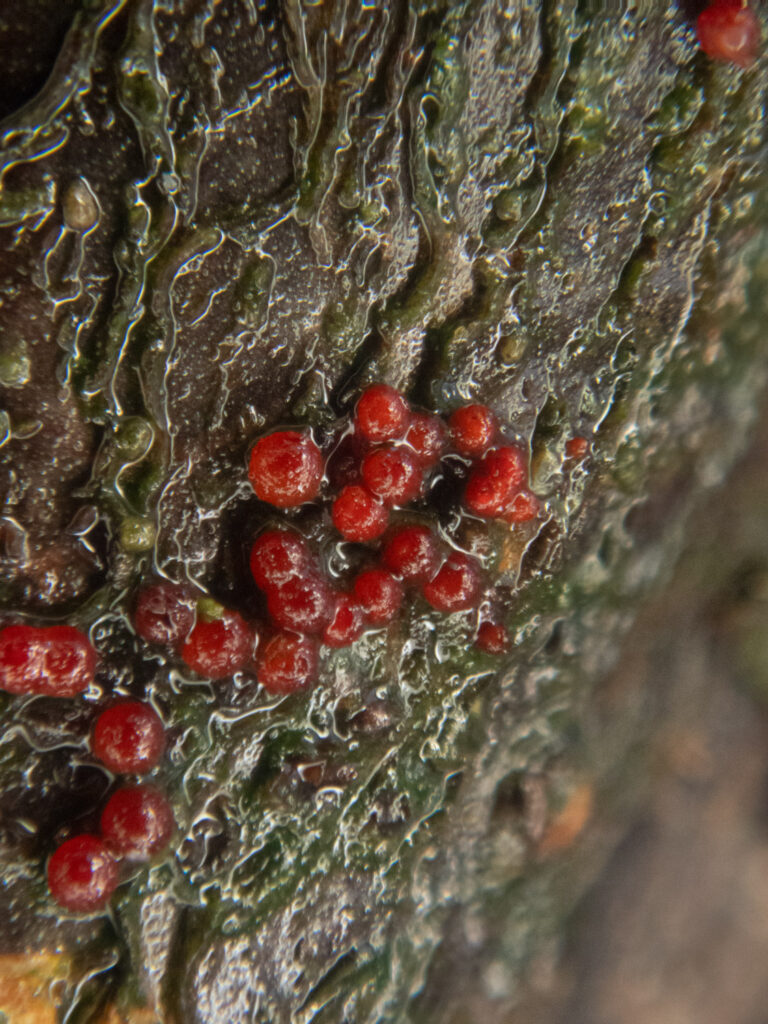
<point>218,218</point>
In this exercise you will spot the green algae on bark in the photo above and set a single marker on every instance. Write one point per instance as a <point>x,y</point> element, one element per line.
<point>219,218</point>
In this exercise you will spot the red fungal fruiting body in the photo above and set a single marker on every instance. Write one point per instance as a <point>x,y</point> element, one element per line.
<point>358,515</point>
<point>576,447</point>
<point>304,604</point>
<point>137,822</point>
<point>456,585</point>
<point>82,874</point>
<point>729,30</point>
<point>56,661</point>
<point>393,474</point>
<point>218,647</point>
<point>495,478</point>
<point>164,614</point>
<point>473,429</point>
<point>428,437</point>
<point>492,638</point>
<point>286,468</point>
<point>277,556</point>
<point>287,663</point>
<point>128,738</point>
<point>411,553</point>
<point>347,623</point>
<point>523,507</point>
<point>379,595</point>
<point>382,413</point>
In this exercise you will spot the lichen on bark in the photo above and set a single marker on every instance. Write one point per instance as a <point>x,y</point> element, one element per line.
<point>216,218</point>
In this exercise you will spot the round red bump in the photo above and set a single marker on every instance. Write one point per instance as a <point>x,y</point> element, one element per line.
<point>576,447</point>
<point>303,604</point>
<point>128,738</point>
<point>523,507</point>
<point>287,663</point>
<point>393,474</point>
<point>82,874</point>
<point>137,822</point>
<point>218,647</point>
<point>347,623</point>
<point>411,553</point>
<point>286,468</point>
<point>277,556</point>
<point>428,437</point>
<point>382,414</point>
<point>492,638</point>
<point>456,585</point>
<point>729,30</point>
<point>379,595</point>
<point>473,429</point>
<point>495,478</point>
<point>358,515</point>
<point>56,661</point>
<point>164,614</point>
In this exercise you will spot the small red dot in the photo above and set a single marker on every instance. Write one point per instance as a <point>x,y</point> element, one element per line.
<point>358,515</point>
<point>523,507</point>
<point>494,479</point>
<point>137,822</point>
<point>411,552</point>
<point>218,647</point>
<point>347,623</point>
<point>164,614</point>
<point>286,468</point>
<point>287,663</point>
<point>382,413</point>
<point>729,30</point>
<point>492,638</point>
<point>473,429</point>
<point>303,604</point>
<point>576,447</point>
<point>277,556</point>
<point>82,874</point>
<point>393,474</point>
<point>379,595</point>
<point>456,585</point>
<point>128,738</point>
<point>57,661</point>
<point>428,437</point>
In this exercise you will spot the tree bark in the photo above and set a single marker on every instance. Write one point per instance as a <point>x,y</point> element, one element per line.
<point>217,218</point>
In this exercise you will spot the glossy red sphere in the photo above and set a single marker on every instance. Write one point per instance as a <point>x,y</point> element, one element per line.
<point>521,508</point>
<point>495,479</point>
<point>82,874</point>
<point>492,638</point>
<point>347,623</point>
<point>128,738</point>
<point>576,447</point>
<point>288,662</point>
<point>428,437</point>
<point>379,595</point>
<point>393,474</point>
<point>56,661</point>
<point>358,515</point>
<point>473,429</point>
<point>303,603</point>
<point>729,30</point>
<point>164,614</point>
<point>218,647</point>
<point>411,552</point>
<point>277,556</point>
<point>286,468</point>
<point>137,822</point>
<point>382,414</point>
<point>456,585</point>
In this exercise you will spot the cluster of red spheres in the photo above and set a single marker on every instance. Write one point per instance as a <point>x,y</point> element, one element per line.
<point>371,481</point>
<point>373,478</point>
<point>729,30</point>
